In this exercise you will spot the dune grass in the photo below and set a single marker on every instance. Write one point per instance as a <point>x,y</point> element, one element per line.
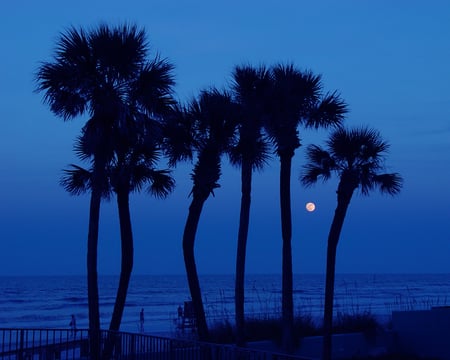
<point>269,328</point>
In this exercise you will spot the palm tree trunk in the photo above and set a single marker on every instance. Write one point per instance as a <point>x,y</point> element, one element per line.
<point>126,236</point>
<point>244,219</point>
<point>344,198</point>
<point>329,299</point>
<point>190,231</point>
<point>287,302</point>
<point>92,278</point>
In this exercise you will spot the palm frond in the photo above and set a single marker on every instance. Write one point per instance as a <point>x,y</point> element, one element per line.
<point>73,46</point>
<point>293,95</point>
<point>95,141</point>
<point>299,88</point>
<point>389,183</point>
<point>250,90</point>
<point>256,151</point>
<point>215,116</point>
<point>357,156</point>
<point>320,165</point>
<point>178,135</point>
<point>250,85</point>
<point>81,147</point>
<point>162,183</point>
<point>311,175</point>
<point>330,111</point>
<point>61,86</point>
<point>372,147</point>
<point>365,173</point>
<point>66,80</point>
<point>153,89</point>
<point>119,51</point>
<point>320,157</point>
<point>76,180</point>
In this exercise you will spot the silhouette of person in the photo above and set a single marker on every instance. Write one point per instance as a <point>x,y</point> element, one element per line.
<point>141,321</point>
<point>73,325</point>
<point>180,316</point>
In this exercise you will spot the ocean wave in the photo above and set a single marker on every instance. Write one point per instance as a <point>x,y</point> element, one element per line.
<point>74,299</point>
<point>14,301</point>
<point>42,303</point>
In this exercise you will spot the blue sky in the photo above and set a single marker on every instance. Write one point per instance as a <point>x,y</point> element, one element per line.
<point>389,60</point>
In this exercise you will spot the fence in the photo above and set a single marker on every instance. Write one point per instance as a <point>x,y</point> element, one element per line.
<point>27,344</point>
<point>52,344</point>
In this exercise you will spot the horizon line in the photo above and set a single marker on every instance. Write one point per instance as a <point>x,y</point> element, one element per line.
<point>229,274</point>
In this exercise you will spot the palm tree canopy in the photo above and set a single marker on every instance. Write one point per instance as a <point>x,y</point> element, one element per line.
<point>208,121</point>
<point>214,115</point>
<point>206,127</point>
<point>107,64</point>
<point>129,169</point>
<point>296,98</point>
<point>87,62</point>
<point>104,74</point>
<point>136,167</point>
<point>178,135</point>
<point>77,180</point>
<point>250,89</point>
<point>357,156</point>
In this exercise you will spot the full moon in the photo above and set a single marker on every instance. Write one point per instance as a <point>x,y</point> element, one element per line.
<point>310,206</point>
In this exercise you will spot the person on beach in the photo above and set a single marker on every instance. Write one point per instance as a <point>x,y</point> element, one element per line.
<point>73,325</point>
<point>141,321</point>
<point>180,316</point>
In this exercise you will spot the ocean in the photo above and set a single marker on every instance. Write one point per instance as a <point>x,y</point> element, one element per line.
<point>49,301</point>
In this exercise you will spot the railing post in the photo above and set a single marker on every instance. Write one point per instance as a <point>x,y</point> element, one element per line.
<point>20,354</point>
<point>132,346</point>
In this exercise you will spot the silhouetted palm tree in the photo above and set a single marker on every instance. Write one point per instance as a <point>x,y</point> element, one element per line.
<point>104,74</point>
<point>295,99</point>
<point>251,152</point>
<point>130,169</point>
<point>357,157</point>
<point>207,128</point>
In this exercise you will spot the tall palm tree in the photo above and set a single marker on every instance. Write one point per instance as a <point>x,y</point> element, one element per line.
<point>357,157</point>
<point>251,152</point>
<point>295,99</point>
<point>129,171</point>
<point>132,169</point>
<point>206,129</point>
<point>103,73</point>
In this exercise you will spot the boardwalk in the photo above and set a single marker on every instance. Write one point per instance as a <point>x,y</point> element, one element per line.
<point>43,344</point>
<point>52,344</point>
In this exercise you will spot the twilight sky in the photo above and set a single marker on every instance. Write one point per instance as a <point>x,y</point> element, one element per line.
<point>390,60</point>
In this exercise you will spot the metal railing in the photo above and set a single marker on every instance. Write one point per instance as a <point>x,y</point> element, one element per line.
<point>52,344</point>
<point>30,344</point>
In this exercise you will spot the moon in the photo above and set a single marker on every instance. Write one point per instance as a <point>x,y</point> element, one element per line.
<point>310,207</point>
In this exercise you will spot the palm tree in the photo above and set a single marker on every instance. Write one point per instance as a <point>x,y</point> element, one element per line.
<point>206,128</point>
<point>129,171</point>
<point>104,74</point>
<point>295,98</point>
<point>356,156</point>
<point>250,153</point>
